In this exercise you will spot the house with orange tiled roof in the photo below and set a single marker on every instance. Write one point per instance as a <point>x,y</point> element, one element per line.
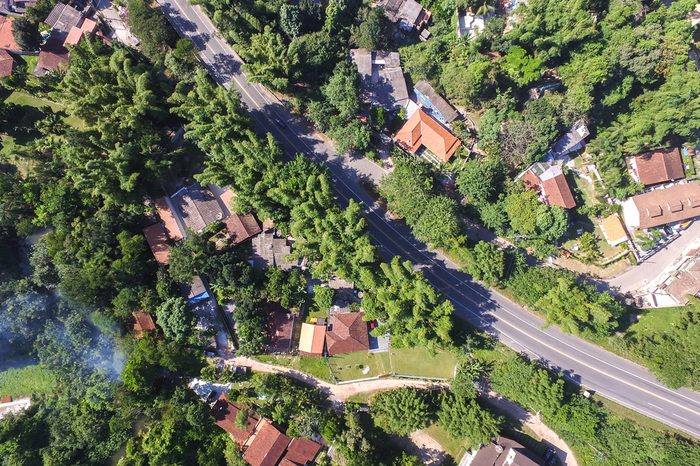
<point>347,333</point>
<point>655,167</point>
<point>549,181</point>
<point>423,135</point>
<point>7,38</point>
<point>7,64</point>
<point>225,414</point>
<point>157,240</point>
<point>143,324</point>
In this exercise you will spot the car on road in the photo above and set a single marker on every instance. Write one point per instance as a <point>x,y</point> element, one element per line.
<point>280,123</point>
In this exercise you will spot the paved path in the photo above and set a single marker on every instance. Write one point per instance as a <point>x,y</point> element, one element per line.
<point>534,423</point>
<point>647,275</point>
<point>583,363</point>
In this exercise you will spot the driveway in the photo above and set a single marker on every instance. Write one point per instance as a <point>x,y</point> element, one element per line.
<point>650,273</point>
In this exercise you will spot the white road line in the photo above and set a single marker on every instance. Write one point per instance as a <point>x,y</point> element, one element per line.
<point>448,270</point>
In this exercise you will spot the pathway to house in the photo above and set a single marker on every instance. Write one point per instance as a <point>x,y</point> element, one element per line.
<point>535,424</point>
<point>337,393</point>
<point>428,446</point>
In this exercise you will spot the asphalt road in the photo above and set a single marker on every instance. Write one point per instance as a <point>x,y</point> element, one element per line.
<point>586,364</point>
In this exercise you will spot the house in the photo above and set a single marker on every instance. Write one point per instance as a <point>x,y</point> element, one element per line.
<point>143,323</point>
<point>300,452</point>
<point>77,33</point>
<point>168,219</point>
<point>266,445</point>
<point>196,291</point>
<point>438,106</point>
<point>157,240</point>
<point>408,13</point>
<point>53,57</point>
<point>7,64</point>
<point>197,206</point>
<point>421,132</point>
<point>502,452</point>
<point>225,414</point>
<point>16,6</point>
<point>659,166</point>
<point>549,181</point>
<point>662,206</point>
<point>683,283</point>
<point>271,251</point>
<point>613,230</point>
<point>346,333</point>
<point>312,339</point>
<point>241,227</point>
<point>7,38</point>
<point>381,78</point>
<point>572,141</point>
<point>469,25</point>
<point>280,325</point>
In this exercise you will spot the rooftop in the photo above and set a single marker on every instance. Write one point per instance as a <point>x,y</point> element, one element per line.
<point>266,446</point>
<point>7,63</point>
<point>300,452</point>
<point>659,166</point>
<point>661,206</point>
<point>447,111</point>
<point>421,130</point>
<point>143,323</point>
<point>241,227</point>
<point>381,77</point>
<point>410,12</point>
<point>312,338</point>
<point>198,207</point>
<point>549,180</point>
<point>53,56</point>
<point>271,251</point>
<point>613,230</point>
<point>157,240</point>
<point>571,141</point>
<point>504,452</point>
<point>225,413</point>
<point>7,38</point>
<point>168,219</point>
<point>347,333</point>
<point>280,323</point>
<point>62,18</point>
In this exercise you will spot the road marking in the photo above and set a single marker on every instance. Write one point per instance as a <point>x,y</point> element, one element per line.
<point>447,270</point>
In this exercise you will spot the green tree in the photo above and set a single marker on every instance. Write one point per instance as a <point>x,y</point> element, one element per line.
<point>407,306</point>
<point>479,180</point>
<point>521,67</point>
<point>153,30</point>
<point>487,263</point>
<point>343,90</point>
<point>268,61</point>
<point>26,33</point>
<point>463,417</point>
<point>401,411</point>
<point>291,20</point>
<point>182,61</point>
<point>468,85</point>
<point>176,319</point>
<point>323,296</point>
<point>372,33</point>
<point>189,258</point>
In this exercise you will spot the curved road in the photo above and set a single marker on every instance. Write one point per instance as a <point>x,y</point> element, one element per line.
<point>586,364</point>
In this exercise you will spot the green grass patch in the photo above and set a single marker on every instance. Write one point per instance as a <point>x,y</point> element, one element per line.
<point>656,321</point>
<point>316,367</point>
<point>456,448</point>
<point>350,366</point>
<point>26,381</point>
<point>21,98</point>
<point>419,361</point>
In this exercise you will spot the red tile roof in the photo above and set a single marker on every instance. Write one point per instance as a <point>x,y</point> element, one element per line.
<point>168,219</point>
<point>53,56</point>
<point>267,445</point>
<point>7,39</point>
<point>668,205</point>
<point>143,323</point>
<point>658,166</point>
<point>157,241</point>
<point>7,63</point>
<point>73,37</point>
<point>556,191</point>
<point>300,451</point>
<point>225,413</point>
<point>347,333</point>
<point>89,26</point>
<point>241,227</point>
<point>422,130</point>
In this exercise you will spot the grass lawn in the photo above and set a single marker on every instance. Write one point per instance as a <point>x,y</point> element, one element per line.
<point>317,367</point>
<point>455,448</point>
<point>21,98</point>
<point>404,361</point>
<point>419,361</point>
<point>26,380</point>
<point>350,366</point>
<point>656,321</point>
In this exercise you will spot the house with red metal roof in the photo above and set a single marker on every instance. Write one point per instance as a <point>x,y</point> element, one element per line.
<point>143,324</point>
<point>549,181</point>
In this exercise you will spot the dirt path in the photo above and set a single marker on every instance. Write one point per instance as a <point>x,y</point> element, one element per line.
<point>426,447</point>
<point>336,392</point>
<point>535,424</point>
